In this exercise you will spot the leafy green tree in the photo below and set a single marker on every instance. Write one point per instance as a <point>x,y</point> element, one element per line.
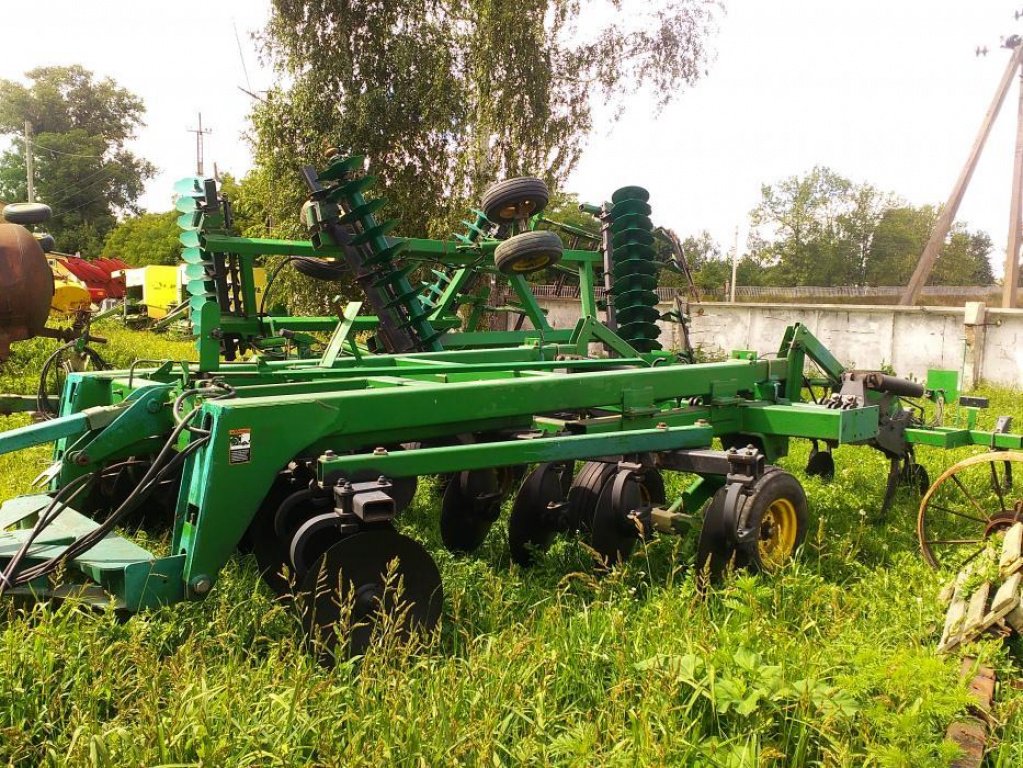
<point>447,96</point>
<point>797,228</point>
<point>150,238</point>
<point>822,229</point>
<point>964,260</point>
<point>83,169</point>
<point>898,241</point>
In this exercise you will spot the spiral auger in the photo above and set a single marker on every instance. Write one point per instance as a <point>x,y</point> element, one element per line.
<point>338,209</point>
<point>634,271</point>
<point>201,212</point>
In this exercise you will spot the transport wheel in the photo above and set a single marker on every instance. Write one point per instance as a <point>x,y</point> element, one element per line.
<point>761,532</point>
<point>515,200</point>
<point>365,579</point>
<point>777,512</point>
<point>539,513</point>
<point>585,491</point>
<point>471,504</point>
<point>968,504</point>
<point>528,252</point>
<point>26,213</point>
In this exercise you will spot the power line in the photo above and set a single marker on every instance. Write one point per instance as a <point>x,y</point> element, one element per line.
<point>37,145</point>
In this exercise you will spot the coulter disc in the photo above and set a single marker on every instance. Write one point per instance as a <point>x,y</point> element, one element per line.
<point>538,514</point>
<point>367,578</point>
<point>471,504</point>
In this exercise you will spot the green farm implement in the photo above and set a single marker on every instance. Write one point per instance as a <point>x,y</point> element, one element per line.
<point>308,461</point>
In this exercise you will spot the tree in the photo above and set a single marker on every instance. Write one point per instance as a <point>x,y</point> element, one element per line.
<point>898,241</point>
<point>448,96</point>
<point>151,238</point>
<point>83,170</point>
<point>822,229</point>
<point>964,259</point>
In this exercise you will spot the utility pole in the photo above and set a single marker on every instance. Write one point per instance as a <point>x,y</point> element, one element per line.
<point>1010,284</point>
<point>199,133</point>
<point>948,213</point>
<point>735,266</point>
<point>30,163</point>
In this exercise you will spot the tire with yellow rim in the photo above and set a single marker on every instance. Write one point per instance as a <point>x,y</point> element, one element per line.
<point>777,512</point>
<point>528,252</point>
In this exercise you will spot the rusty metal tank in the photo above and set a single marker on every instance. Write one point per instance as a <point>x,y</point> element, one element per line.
<point>26,286</point>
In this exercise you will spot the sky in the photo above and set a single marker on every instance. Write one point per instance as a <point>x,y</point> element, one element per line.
<point>884,91</point>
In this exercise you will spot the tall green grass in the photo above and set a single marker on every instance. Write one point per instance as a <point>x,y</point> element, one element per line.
<point>830,663</point>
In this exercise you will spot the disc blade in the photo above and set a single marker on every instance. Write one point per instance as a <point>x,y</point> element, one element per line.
<point>361,578</point>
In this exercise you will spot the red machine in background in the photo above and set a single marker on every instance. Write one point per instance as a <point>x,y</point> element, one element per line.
<point>98,276</point>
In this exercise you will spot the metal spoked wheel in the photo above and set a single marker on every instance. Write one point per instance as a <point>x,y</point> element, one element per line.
<point>968,504</point>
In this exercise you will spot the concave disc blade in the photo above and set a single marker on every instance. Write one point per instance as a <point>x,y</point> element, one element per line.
<point>531,526</point>
<point>348,587</point>
<point>463,524</point>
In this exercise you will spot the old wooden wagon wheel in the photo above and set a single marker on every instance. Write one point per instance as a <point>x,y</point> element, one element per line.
<point>971,502</point>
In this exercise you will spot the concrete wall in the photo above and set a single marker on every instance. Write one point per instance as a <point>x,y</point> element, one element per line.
<point>909,339</point>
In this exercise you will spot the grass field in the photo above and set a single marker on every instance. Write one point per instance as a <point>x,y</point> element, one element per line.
<point>832,662</point>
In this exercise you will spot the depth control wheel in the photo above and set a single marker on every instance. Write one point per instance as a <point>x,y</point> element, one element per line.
<point>758,528</point>
<point>968,504</point>
<point>528,252</point>
<point>359,581</point>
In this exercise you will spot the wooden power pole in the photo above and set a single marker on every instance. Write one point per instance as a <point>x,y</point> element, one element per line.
<point>948,213</point>
<point>1010,284</point>
<point>30,170</point>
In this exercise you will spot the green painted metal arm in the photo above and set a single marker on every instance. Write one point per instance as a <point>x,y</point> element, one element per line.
<point>798,344</point>
<point>499,454</point>
<point>55,429</point>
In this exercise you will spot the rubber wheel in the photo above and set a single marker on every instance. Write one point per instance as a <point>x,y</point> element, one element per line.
<point>528,252</point>
<point>46,241</point>
<point>27,213</point>
<point>515,200</point>
<point>915,477</point>
<point>777,509</point>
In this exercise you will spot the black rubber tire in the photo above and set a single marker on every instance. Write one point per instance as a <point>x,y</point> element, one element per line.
<point>773,486</point>
<point>27,213</point>
<point>514,200</point>
<point>528,252</point>
<point>46,241</point>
